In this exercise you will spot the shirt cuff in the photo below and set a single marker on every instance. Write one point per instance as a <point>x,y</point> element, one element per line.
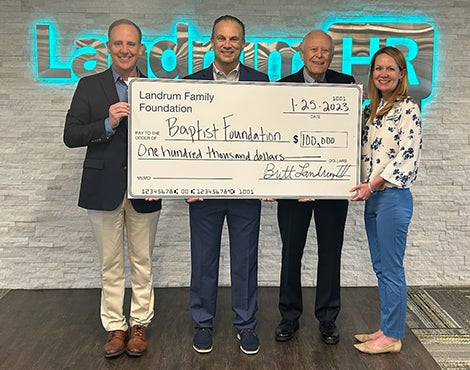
<point>109,130</point>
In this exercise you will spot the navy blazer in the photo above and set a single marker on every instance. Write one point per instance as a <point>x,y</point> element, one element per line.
<point>246,74</point>
<point>104,176</point>
<point>331,76</point>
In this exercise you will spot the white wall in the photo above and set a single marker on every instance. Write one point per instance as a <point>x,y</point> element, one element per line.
<point>46,240</point>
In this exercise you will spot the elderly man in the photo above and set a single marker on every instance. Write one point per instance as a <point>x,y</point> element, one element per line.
<point>294,216</point>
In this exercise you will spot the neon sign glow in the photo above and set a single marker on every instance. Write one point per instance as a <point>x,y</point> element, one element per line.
<point>185,50</point>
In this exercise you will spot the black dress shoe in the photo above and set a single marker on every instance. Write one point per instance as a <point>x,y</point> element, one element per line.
<point>286,329</point>
<point>329,332</point>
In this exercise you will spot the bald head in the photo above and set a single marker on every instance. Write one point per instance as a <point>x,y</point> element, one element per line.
<point>317,51</point>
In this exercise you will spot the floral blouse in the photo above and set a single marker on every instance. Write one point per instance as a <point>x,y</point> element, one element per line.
<point>391,145</point>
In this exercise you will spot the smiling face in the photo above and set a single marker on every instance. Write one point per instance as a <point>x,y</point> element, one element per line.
<point>386,74</point>
<point>124,46</point>
<point>227,42</point>
<point>317,54</point>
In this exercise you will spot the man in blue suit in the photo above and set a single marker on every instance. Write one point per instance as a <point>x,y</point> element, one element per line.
<point>207,218</point>
<point>97,120</point>
<point>294,216</point>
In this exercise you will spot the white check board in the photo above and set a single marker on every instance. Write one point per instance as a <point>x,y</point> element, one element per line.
<point>212,139</point>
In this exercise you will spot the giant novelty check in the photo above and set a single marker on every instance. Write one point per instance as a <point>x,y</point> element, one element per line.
<point>212,139</point>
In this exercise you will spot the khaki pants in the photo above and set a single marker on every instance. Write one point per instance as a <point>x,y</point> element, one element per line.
<point>141,228</point>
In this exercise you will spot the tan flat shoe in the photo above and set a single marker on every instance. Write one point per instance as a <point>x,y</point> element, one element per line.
<point>362,337</point>
<point>392,348</point>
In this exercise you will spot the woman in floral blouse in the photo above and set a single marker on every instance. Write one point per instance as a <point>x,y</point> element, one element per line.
<point>391,147</point>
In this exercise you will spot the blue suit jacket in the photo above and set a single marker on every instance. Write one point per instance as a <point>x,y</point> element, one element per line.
<point>246,74</point>
<point>104,176</point>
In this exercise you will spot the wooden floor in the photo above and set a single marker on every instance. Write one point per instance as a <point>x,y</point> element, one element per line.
<point>60,329</point>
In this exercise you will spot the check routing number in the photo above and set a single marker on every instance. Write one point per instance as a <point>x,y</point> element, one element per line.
<point>212,139</point>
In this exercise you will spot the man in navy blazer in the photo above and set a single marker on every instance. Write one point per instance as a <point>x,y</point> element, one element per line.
<point>207,218</point>
<point>294,216</point>
<point>97,120</point>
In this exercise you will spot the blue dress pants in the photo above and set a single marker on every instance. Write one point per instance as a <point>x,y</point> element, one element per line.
<point>387,217</point>
<point>206,223</point>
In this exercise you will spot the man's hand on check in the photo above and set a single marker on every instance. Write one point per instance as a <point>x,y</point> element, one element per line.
<point>192,200</point>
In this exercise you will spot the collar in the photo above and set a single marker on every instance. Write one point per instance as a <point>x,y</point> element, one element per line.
<point>116,76</point>
<point>233,75</point>
<point>310,80</point>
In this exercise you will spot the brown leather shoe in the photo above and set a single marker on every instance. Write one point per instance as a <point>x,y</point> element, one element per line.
<point>115,345</point>
<point>137,343</point>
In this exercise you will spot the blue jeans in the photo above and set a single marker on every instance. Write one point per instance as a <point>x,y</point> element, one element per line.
<point>387,216</point>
